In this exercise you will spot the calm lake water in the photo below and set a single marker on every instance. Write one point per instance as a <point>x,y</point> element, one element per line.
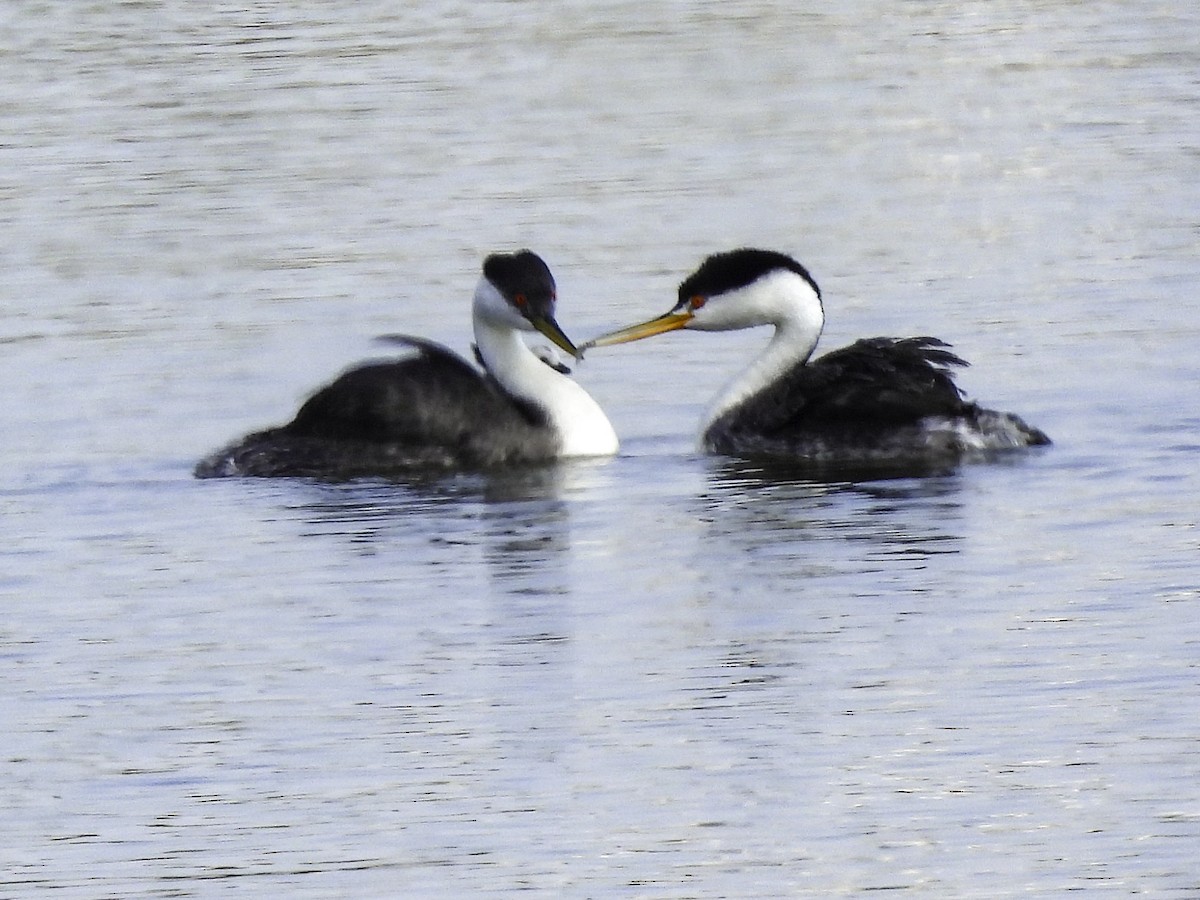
<point>661,675</point>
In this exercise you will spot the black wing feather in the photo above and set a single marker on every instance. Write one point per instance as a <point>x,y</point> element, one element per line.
<point>872,382</point>
<point>435,397</point>
<point>433,409</point>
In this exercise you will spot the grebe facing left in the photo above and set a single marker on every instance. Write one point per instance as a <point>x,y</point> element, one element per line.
<point>433,409</point>
<point>879,400</point>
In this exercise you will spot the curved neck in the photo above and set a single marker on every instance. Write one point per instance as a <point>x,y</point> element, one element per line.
<point>790,346</point>
<point>582,426</point>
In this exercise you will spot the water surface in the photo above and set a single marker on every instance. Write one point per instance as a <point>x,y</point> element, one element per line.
<point>661,675</point>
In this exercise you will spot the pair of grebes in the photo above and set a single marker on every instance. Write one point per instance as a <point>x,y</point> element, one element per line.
<point>878,401</point>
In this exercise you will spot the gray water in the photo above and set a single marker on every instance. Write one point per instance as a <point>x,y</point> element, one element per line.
<point>661,675</point>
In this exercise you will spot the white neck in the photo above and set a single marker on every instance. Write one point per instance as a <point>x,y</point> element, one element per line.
<point>786,350</point>
<point>784,300</point>
<point>581,424</point>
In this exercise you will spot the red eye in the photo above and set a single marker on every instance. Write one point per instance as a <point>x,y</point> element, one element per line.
<point>697,301</point>
<point>520,300</point>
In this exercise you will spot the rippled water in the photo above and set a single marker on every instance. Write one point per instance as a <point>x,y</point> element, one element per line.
<point>661,675</point>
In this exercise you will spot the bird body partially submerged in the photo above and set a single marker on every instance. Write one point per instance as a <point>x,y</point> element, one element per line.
<point>879,400</point>
<point>433,409</point>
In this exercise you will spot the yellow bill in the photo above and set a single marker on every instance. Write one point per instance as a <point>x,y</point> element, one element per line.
<point>669,322</point>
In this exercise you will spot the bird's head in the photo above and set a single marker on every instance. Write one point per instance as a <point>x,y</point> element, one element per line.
<point>517,291</point>
<point>737,289</point>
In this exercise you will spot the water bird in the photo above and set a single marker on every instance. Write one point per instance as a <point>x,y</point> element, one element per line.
<point>431,408</point>
<point>877,401</point>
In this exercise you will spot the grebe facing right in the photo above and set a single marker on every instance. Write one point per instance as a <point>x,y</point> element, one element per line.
<point>879,400</point>
<point>433,409</point>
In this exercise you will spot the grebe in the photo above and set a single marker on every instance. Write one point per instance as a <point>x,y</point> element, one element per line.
<point>432,408</point>
<point>879,400</point>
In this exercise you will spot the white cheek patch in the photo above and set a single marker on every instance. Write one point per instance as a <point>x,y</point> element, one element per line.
<point>779,297</point>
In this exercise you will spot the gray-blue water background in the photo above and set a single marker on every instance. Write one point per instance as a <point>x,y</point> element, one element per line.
<point>657,676</point>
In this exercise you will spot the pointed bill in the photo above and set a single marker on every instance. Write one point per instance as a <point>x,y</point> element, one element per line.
<point>669,322</point>
<point>547,326</point>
